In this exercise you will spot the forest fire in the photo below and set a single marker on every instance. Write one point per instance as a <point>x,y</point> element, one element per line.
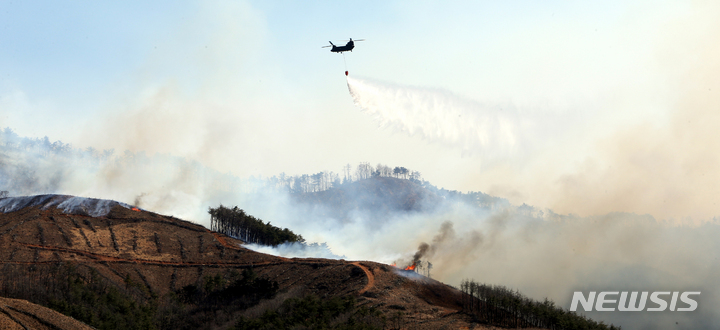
<point>411,267</point>
<point>135,209</point>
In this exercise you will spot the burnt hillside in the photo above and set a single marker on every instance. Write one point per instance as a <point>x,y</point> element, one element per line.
<point>126,267</point>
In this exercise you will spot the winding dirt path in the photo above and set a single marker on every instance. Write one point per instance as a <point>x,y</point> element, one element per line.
<point>220,238</point>
<point>370,276</point>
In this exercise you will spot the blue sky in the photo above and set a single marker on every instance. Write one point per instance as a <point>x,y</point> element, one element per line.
<point>245,87</point>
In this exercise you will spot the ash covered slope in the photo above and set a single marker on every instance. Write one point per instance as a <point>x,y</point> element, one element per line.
<point>69,204</point>
<point>150,257</point>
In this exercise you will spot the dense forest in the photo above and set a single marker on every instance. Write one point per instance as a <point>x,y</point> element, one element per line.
<point>236,223</point>
<point>500,306</point>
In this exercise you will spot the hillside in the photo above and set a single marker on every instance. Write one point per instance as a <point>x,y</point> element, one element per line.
<point>21,314</point>
<point>378,195</point>
<point>149,258</point>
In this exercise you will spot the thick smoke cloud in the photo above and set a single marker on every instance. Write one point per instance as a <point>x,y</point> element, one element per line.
<point>663,164</point>
<point>161,183</point>
<point>539,252</point>
<point>447,240</point>
<point>615,156</point>
<point>666,170</point>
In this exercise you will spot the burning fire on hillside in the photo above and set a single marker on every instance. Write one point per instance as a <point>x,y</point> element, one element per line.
<point>412,267</point>
<point>424,250</point>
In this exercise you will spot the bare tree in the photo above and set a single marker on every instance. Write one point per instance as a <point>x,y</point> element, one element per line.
<point>415,175</point>
<point>383,170</point>
<point>346,171</point>
<point>364,171</point>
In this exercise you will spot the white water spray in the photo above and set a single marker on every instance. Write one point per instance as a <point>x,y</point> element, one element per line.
<point>441,116</point>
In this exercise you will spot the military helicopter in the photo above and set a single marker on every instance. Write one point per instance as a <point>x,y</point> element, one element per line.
<point>339,49</point>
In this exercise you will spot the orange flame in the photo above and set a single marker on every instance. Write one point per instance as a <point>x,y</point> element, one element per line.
<point>135,209</point>
<point>411,267</point>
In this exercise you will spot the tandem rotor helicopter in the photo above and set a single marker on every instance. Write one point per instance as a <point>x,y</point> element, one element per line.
<point>340,49</point>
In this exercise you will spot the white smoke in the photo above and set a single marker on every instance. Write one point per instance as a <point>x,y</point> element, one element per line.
<point>161,183</point>
<point>441,116</point>
<point>540,253</point>
<point>297,250</point>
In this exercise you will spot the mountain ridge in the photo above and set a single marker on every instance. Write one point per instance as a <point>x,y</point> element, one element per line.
<point>148,257</point>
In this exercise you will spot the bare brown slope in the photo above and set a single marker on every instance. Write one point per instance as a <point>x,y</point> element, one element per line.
<point>165,254</point>
<point>21,314</point>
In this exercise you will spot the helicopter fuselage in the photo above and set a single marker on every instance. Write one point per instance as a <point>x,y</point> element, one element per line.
<point>339,49</point>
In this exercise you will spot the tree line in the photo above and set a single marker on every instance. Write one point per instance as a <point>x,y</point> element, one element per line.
<point>234,222</point>
<point>324,180</point>
<point>11,141</point>
<point>24,161</point>
<point>499,306</point>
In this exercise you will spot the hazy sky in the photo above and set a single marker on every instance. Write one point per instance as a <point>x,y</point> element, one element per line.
<point>616,102</point>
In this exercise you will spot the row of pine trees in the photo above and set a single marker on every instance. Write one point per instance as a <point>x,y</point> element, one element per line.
<point>234,222</point>
<point>499,306</point>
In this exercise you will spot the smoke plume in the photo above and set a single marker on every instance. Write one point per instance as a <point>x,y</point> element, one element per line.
<point>447,240</point>
<point>422,250</point>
